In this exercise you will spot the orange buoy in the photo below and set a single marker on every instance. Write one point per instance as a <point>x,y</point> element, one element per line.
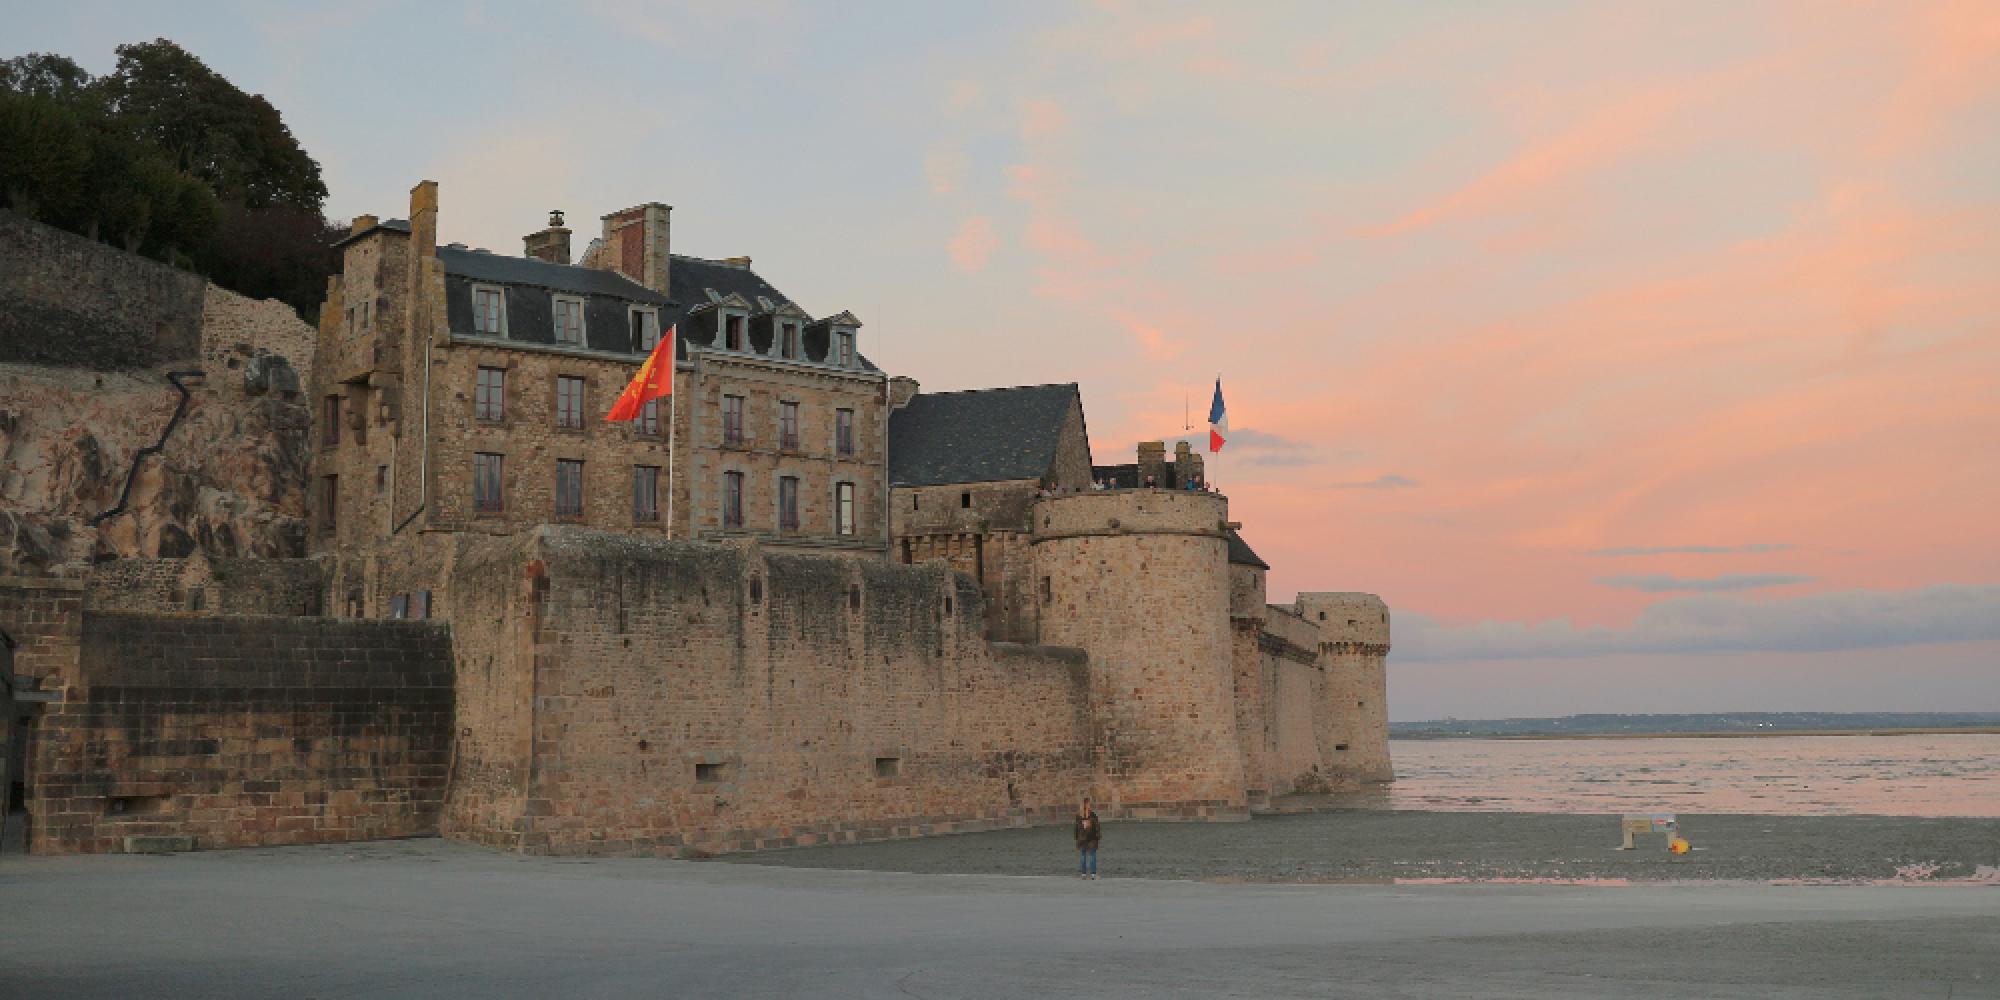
<point>1678,846</point>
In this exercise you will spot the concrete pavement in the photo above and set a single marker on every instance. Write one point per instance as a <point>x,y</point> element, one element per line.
<point>437,919</point>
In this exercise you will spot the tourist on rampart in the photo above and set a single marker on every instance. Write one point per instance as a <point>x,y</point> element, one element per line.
<point>1088,832</point>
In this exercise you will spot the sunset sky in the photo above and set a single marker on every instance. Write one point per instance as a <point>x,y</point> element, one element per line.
<point>1643,357</point>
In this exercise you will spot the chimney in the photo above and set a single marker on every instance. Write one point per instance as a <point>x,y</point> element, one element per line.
<point>902,389</point>
<point>551,244</point>
<point>424,220</point>
<point>362,223</point>
<point>742,262</point>
<point>637,244</point>
<point>1153,462</point>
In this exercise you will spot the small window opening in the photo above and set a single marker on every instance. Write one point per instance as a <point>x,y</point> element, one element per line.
<point>707,773</point>
<point>965,500</point>
<point>756,590</point>
<point>888,767</point>
<point>1351,623</point>
<point>1047,591</point>
<point>138,805</point>
<point>197,599</point>
<point>854,597</point>
<point>1322,616</point>
<point>947,605</point>
<point>1340,746</point>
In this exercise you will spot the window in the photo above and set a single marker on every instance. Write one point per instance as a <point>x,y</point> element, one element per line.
<point>843,509</point>
<point>364,315</point>
<point>888,767</point>
<point>645,493</point>
<point>486,483</point>
<point>569,402</point>
<point>844,343</point>
<point>965,500</point>
<point>1048,592</point>
<point>569,488</point>
<point>843,431</point>
<point>788,425</point>
<point>381,480</point>
<point>330,422</point>
<point>732,336</point>
<point>569,320</point>
<point>732,420</point>
<point>649,418</point>
<point>788,341</point>
<point>489,396</point>
<point>489,311</point>
<point>732,499</point>
<point>788,503</point>
<point>645,329</point>
<point>329,500</point>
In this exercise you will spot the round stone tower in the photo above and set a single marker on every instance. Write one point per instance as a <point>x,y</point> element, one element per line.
<point>1140,580</point>
<point>1353,718</point>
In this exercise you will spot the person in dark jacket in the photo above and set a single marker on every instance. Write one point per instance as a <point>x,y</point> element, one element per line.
<point>1088,832</point>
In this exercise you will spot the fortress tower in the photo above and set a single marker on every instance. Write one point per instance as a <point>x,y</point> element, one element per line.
<point>1140,579</point>
<point>1353,647</point>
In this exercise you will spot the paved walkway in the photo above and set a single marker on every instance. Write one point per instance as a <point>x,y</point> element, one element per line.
<point>437,919</point>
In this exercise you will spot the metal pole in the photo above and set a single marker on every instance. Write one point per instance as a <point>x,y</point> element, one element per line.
<point>673,419</point>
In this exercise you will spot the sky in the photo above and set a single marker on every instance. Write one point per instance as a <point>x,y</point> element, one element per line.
<point>1643,356</point>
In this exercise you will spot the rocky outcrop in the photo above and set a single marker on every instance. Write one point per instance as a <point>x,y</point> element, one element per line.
<point>229,482</point>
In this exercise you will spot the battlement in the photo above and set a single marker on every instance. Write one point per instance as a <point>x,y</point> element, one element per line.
<point>1346,616</point>
<point>1131,512</point>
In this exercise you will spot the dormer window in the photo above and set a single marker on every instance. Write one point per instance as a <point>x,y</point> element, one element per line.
<point>489,310</point>
<point>569,320</point>
<point>732,332</point>
<point>645,329</point>
<point>843,348</point>
<point>788,341</point>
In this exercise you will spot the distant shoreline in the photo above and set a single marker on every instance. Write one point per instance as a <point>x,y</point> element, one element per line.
<point>1737,734</point>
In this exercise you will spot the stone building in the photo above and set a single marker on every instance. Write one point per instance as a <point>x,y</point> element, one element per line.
<point>800,601</point>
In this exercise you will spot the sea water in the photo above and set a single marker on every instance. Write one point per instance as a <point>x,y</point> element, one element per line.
<point>1915,775</point>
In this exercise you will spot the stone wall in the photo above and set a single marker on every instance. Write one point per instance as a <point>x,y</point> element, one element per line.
<point>1354,714</point>
<point>71,301</point>
<point>1141,579</point>
<point>283,587</point>
<point>640,696</point>
<point>237,331</point>
<point>243,731</point>
<point>45,617</point>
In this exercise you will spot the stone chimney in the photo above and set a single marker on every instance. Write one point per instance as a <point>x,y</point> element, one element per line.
<point>1153,462</point>
<point>742,262</point>
<point>637,244</point>
<point>902,389</point>
<point>551,244</point>
<point>1188,464</point>
<point>362,223</point>
<point>424,220</point>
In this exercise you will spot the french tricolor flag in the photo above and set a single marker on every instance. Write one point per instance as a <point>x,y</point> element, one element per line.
<point>1218,420</point>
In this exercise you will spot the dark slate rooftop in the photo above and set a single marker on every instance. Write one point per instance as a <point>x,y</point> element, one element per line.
<point>978,436</point>
<point>1241,554</point>
<point>504,270</point>
<point>691,278</point>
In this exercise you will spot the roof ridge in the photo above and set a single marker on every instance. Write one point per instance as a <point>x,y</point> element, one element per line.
<point>1001,388</point>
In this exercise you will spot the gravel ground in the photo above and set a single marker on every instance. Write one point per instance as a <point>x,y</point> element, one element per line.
<point>1372,845</point>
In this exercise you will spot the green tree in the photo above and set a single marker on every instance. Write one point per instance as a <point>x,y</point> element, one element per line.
<point>44,151</point>
<point>163,95</point>
<point>44,74</point>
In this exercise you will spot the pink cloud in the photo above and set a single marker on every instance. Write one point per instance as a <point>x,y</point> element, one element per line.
<point>974,244</point>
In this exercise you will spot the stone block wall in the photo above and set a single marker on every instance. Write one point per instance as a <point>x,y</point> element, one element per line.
<point>1141,579</point>
<point>236,330</point>
<point>230,586</point>
<point>45,617</point>
<point>70,301</point>
<point>242,731</point>
<point>675,698</point>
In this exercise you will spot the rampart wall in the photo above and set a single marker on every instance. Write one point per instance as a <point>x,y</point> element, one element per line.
<point>631,695</point>
<point>78,303</point>
<point>241,731</point>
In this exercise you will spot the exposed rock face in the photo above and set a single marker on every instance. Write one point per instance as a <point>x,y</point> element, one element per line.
<point>229,481</point>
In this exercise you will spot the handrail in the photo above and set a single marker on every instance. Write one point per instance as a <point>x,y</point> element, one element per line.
<point>180,410</point>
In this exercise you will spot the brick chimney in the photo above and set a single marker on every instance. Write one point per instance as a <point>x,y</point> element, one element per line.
<point>551,244</point>
<point>636,244</point>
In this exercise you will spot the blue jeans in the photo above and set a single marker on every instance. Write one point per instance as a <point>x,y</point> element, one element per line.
<point>1086,861</point>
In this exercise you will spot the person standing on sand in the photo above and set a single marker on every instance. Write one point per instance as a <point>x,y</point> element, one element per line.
<point>1088,832</point>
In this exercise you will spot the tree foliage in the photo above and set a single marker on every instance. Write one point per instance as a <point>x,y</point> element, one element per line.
<point>164,156</point>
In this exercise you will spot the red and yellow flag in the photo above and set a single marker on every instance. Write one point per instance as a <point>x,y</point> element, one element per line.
<point>655,379</point>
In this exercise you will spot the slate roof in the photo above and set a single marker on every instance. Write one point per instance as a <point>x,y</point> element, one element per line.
<point>978,436</point>
<point>503,270</point>
<point>690,278</point>
<point>1241,554</point>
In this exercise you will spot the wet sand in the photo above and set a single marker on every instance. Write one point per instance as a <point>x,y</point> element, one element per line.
<point>1360,845</point>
